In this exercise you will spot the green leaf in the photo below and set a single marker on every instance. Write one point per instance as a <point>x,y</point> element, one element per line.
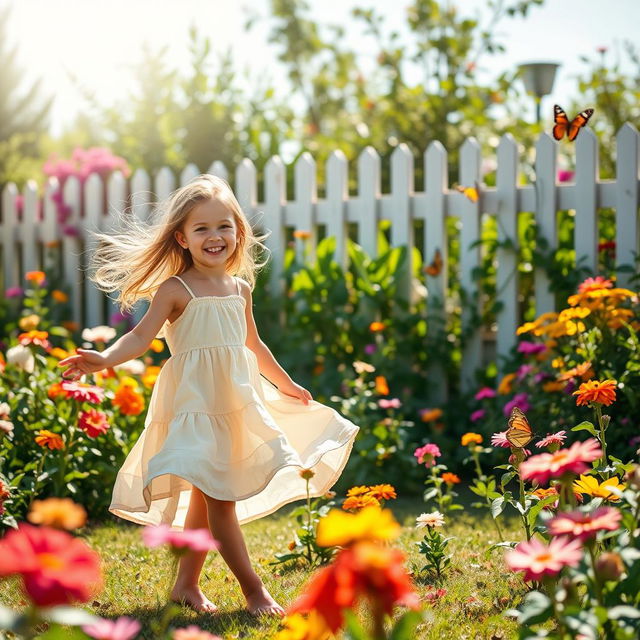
<point>586,426</point>
<point>353,628</point>
<point>536,508</point>
<point>497,506</point>
<point>404,628</point>
<point>536,609</point>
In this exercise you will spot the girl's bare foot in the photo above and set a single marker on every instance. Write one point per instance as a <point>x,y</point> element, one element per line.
<point>194,598</point>
<point>260,602</point>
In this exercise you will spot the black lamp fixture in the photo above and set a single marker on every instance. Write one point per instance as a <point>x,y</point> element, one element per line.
<point>538,78</point>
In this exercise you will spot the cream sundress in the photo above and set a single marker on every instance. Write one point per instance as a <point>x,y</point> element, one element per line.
<point>215,423</point>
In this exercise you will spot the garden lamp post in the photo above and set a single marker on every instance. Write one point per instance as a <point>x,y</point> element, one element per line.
<point>538,80</point>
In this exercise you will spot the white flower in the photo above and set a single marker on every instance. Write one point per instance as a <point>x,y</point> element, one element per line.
<point>100,333</point>
<point>5,409</point>
<point>22,357</point>
<point>435,519</point>
<point>361,367</point>
<point>6,426</point>
<point>132,367</point>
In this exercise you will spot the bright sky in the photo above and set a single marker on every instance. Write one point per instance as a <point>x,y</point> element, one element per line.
<point>96,40</point>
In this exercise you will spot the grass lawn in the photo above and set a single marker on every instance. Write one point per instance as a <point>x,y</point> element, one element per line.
<point>478,585</point>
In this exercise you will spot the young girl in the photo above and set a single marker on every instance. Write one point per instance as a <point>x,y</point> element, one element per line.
<point>222,445</point>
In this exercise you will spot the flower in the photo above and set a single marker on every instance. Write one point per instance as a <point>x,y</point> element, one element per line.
<point>59,296</point>
<point>36,337</point>
<point>537,559</point>
<point>100,333</point>
<point>356,491</point>
<point>427,454</point>
<point>485,392</point>
<point>433,519</point>
<point>37,277</point>
<point>133,367</point>
<point>450,478</point>
<point>523,371</point>
<point>595,284</point>
<point>553,465</point>
<point>13,292</point>
<point>382,491</point>
<point>552,438</point>
<point>29,323</point>
<point>193,632</point>
<point>597,392</point>
<point>130,402</point>
<point>302,234</point>
<point>470,438</point>
<point>520,400</point>
<point>477,415</point>
<point>82,391</point>
<point>552,385</point>
<point>194,539</point>
<point>157,346</point>
<point>541,494</point>
<point>429,415</point>
<point>582,525</point>
<point>500,440</point>
<point>565,176</point>
<point>307,474</point>
<point>61,513</point>
<point>355,503</point>
<point>505,384</point>
<point>297,627</point>
<point>93,422</point>
<point>121,629</point>
<point>363,367</point>
<point>21,357</point>
<point>582,370</point>
<point>589,486</point>
<point>393,403</point>
<point>376,326</point>
<point>433,595</point>
<point>46,438</point>
<point>370,348</point>
<point>609,566</point>
<point>342,529</point>
<point>6,427</point>
<point>531,348</point>
<point>150,376</point>
<point>381,386</point>
<point>55,567</point>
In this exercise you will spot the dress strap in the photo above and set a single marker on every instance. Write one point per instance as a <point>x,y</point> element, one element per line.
<point>237,284</point>
<point>186,285</point>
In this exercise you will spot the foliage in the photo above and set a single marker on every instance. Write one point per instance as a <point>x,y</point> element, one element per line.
<point>433,547</point>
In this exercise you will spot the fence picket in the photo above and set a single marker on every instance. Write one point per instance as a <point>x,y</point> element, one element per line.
<point>586,200</point>
<point>337,177</point>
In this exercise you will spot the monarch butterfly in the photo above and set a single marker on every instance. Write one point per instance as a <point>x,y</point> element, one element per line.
<point>435,267</point>
<point>470,193</point>
<point>562,124</point>
<point>519,433</point>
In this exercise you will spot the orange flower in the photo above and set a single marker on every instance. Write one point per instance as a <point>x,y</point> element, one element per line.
<point>552,386</point>
<point>582,370</point>
<point>49,439</point>
<point>450,478</point>
<point>61,513</point>
<point>429,415</point>
<point>58,353</point>
<point>382,491</point>
<point>376,326</point>
<point>70,325</point>
<point>470,438</point>
<point>357,491</point>
<point>505,384</point>
<point>157,346</point>
<point>56,390</point>
<point>360,502</point>
<point>130,402</point>
<point>29,323</point>
<point>302,234</point>
<point>38,277</point>
<point>381,386</point>
<point>59,296</point>
<point>150,376</point>
<point>318,369</point>
<point>597,392</point>
<point>35,337</point>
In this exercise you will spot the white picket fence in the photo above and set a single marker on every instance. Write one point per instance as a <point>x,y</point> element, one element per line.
<point>401,206</point>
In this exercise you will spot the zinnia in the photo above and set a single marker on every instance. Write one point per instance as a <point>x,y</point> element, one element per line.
<point>342,529</point>
<point>61,513</point>
<point>450,478</point>
<point>121,629</point>
<point>46,438</point>
<point>82,392</point>
<point>93,422</point>
<point>55,567</point>
<point>552,438</point>
<point>194,539</point>
<point>553,465</point>
<point>582,525</point>
<point>130,402</point>
<point>427,454</point>
<point>470,438</point>
<point>597,392</point>
<point>434,519</point>
<point>537,559</point>
<point>485,392</point>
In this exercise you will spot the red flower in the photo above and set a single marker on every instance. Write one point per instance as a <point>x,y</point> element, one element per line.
<point>93,422</point>
<point>83,392</point>
<point>56,568</point>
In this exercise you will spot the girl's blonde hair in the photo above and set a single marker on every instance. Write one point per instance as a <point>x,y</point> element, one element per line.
<point>139,258</point>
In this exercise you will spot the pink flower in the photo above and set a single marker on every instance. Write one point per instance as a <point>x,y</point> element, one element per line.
<point>13,292</point>
<point>520,400</point>
<point>523,371</point>
<point>537,559</point>
<point>531,348</point>
<point>500,440</point>
<point>194,539</point>
<point>485,392</point>
<point>582,526</point>
<point>393,403</point>
<point>477,415</point>
<point>433,595</point>
<point>370,348</point>
<point>553,465</point>
<point>427,454</point>
<point>552,438</point>
<point>121,629</point>
<point>93,422</point>
<point>82,392</point>
<point>192,632</point>
<point>565,176</point>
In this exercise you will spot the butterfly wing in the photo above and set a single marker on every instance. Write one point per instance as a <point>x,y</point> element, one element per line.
<point>578,122</point>
<point>561,122</point>
<point>435,267</point>
<point>519,433</point>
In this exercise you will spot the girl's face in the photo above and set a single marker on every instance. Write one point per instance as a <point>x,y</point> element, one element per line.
<point>209,233</point>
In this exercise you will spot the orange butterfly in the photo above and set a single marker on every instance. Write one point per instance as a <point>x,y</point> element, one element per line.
<point>562,124</point>
<point>435,267</point>
<point>471,193</point>
<point>519,433</point>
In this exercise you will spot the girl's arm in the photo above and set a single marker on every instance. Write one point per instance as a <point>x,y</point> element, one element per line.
<point>267,364</point>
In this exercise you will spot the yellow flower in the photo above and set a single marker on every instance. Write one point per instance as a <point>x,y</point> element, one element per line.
<point>58,353</point>
<point>128,381</point>
<point>150,376</point>
<point>469,438</point>
<point>297,627</point>
<point>505,384</point>
<point>156,345</point>
<point>29,323</point>
<point>526,327</point>
<point>357,491</point>
<point>62,513</point>
<point>59,296</point>
<point>589,486</point>
<point>342,529</point>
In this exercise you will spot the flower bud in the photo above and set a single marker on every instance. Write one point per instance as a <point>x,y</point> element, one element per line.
<point>307,474</point>
<point>609,566</point>
<point>605,420</point>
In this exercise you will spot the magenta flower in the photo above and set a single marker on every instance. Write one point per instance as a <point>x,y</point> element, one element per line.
<point>427,454</point>
<point>194,539</point>
<point>552,438</point>
<point>477,415</point>
<point>391,403</point>
<point>540,376</point>
<point>582,526</point>
<point>370,348</point>
<point>565,176</point>
<point>121,629</point>
<point>554,465</point>
<point>520,400</point>
<point>531,348</point>
<point>537,559</point>
<point>523,371</point>
<point>500,440</point>
<point>13,292</point>
<point>485,392</point>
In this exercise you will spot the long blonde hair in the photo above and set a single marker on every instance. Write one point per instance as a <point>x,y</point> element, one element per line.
<point>138,259</point>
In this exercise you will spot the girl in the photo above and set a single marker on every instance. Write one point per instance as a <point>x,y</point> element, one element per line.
<point>222,445</point>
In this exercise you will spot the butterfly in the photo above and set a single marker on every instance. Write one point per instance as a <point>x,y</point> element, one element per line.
<point>562,124</point>
<point>435,267</point>
<point>470,193</point>
<point>519,433</point>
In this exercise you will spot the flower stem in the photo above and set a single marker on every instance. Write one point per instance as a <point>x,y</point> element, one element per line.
<point>603,442</point>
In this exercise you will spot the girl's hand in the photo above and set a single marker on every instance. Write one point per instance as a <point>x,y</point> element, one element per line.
<point>295,390</point>
<point>83,362</point>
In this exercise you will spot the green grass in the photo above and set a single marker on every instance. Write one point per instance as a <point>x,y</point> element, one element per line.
<point>137,579</point>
